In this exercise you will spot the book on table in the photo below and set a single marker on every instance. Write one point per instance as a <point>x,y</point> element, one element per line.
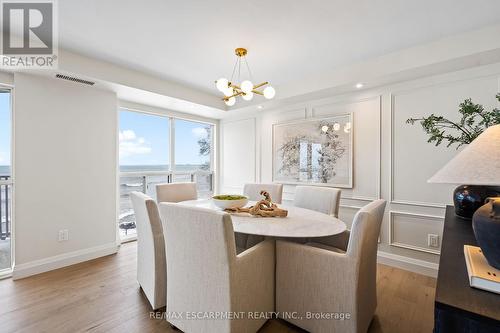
<point>481,274</point>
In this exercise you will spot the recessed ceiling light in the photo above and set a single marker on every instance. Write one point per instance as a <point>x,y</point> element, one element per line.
<point>359,85</point>
<point>260,107</point>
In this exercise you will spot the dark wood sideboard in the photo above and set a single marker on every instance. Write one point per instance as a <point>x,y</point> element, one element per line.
<point>458,308</point>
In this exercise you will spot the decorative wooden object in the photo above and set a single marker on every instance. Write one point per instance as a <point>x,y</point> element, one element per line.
<point>264,208</point>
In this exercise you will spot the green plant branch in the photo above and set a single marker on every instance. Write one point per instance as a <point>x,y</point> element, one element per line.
<point>473,122</point>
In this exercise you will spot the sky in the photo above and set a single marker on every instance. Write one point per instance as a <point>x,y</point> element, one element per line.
<point>144,140</point>
<point>5,128</point>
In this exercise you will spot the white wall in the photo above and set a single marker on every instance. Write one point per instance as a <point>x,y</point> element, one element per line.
<point>392,159</point>
<point>65,168</point>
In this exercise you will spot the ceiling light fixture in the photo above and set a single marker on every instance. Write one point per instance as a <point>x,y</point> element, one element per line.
<point>359,85</point>
<point>245,89</point>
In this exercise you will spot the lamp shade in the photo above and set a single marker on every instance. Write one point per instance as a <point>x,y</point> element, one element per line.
<point>477,164</point>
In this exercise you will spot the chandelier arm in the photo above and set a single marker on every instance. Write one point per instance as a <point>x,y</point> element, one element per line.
<point>234,86</point>
<point>260,85</point>
<point>235,95</point>
<point>258,92</point>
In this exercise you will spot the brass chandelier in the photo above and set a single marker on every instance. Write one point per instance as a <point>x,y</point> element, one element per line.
<point>245,89</point>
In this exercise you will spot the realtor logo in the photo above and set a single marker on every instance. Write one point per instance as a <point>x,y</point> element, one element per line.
<point>29,38</point>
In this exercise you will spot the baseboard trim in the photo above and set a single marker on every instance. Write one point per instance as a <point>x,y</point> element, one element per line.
<point>409,264</point>
<point>67,259</point>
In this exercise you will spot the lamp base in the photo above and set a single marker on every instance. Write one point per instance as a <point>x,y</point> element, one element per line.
<point>486,226</point>
<point>468,198</point>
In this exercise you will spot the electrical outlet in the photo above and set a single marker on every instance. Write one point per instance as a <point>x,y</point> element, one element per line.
<point>433,240</point>
<point>63,235</point>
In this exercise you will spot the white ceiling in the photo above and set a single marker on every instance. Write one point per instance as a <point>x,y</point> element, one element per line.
<point>192,42</point>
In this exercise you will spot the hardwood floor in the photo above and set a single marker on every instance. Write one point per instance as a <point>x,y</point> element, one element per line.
<point>102,295</point>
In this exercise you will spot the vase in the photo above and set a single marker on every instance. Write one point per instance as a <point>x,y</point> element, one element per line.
<point>468,198</point>
<point>486,225</point>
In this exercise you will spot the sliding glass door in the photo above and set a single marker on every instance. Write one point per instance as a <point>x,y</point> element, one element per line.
<point>158,149</point>
<point>144,157</point>
<point>6,181</point>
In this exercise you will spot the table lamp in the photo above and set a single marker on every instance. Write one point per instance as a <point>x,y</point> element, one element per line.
<point>478,167</point>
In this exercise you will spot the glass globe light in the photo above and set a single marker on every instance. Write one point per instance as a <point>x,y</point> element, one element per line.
<point>228,92</point>
<point>336,126</point>
<point>248,96</point>
<point>230,101</point>
<point>269,92</point>
<point>222,84</point>
<point>246,86</point>
<point>324,128</point>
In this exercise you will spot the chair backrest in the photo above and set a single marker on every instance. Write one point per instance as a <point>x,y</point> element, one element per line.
<point>176,192</point>
<point>362,249</point>
<point>147,218</point>
<point>200,256</point>
<point>252,191</point>
<point>151,265</point>
<point>365,230</point>
<point>322,199</point>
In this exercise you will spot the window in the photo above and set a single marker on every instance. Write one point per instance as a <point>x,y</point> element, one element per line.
<point>5,181</point>
<point>193,155</point>
<point>193,142</point>
<point>146,160</point>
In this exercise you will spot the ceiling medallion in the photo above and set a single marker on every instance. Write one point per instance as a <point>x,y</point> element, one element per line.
<point>245,89</point>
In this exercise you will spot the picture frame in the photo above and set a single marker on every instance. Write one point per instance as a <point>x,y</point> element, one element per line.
<point>314,151</point>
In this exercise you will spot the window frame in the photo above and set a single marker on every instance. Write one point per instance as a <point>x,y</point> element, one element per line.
<point>171,116</point>
<point>7,272</point>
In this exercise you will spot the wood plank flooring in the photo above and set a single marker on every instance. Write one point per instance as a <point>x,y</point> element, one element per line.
<point>102,295</point>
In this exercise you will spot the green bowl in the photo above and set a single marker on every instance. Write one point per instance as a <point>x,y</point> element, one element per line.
<point>226,201</point>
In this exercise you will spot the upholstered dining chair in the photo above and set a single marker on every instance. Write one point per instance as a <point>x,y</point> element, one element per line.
<point>151,264</point>
<point>176,192</point>
<point>322,199</point>
<point>252,191</point>
<point>205,275</point>
<point>317,278</point>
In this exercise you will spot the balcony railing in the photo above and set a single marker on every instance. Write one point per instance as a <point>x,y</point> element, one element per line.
<point>146,182</point>
<point>5,213</point>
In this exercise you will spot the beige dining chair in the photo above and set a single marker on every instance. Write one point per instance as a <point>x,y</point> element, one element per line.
<point>322,199</point>
<point>252,191</point>
<point>151,264</point>
<point>317,278</point>
<point>176,192</point>
<point>205,275</point>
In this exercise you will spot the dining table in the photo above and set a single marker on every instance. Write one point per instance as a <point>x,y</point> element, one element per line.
<point>299,223</point>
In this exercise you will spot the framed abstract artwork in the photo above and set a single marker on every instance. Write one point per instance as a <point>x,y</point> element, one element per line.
<point>314,152</point>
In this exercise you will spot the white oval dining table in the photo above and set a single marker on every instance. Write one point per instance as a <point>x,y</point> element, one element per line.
<point>300,222</point>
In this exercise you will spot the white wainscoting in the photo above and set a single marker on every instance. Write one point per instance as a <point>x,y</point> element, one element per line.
<point>392,159</point>
<point>410,230</point>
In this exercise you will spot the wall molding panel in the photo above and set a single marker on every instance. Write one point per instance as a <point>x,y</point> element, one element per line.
<point>234,136</point>
<point>392,159</point>
<point>441,98</point>
<point>393,242</point>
